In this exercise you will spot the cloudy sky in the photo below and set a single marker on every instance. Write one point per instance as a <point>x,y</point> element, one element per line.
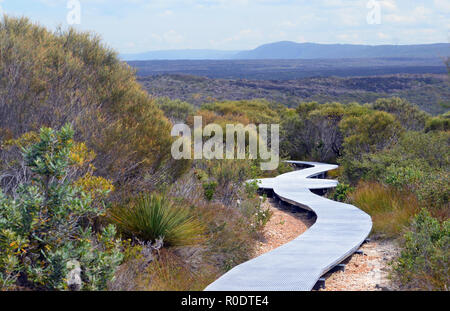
<point>132,26</point>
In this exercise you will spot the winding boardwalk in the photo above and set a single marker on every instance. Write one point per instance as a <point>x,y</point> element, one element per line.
<point>339,231</point>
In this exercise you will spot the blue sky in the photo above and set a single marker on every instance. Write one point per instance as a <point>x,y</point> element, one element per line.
<point>131,26</point>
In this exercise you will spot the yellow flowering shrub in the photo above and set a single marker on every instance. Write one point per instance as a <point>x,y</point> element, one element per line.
<point>80,155</point>
<point>80,160</point>
<point>23,141</point>
<point>97,187</point>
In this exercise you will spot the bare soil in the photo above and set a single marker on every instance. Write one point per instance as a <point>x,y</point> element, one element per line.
<point>286,224</point>
<point>367,272</point>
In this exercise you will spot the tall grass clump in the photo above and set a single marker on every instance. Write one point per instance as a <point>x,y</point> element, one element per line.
<point>171,273</point>
<point>151,217</point>
<point>390,208</point>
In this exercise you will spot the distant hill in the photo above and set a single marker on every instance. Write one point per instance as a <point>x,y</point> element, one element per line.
<point>293,50</point>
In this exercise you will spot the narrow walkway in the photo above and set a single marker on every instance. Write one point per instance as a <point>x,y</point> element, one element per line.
<point>339,231</point>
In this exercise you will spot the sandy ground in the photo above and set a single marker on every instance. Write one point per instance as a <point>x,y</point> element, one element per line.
<point>285,225</point>
<point>368,272</point>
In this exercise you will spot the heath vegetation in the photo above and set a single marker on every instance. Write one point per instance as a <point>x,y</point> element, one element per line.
<point>91,198</point>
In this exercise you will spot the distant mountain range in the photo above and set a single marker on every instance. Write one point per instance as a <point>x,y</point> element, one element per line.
<point>293,50</point>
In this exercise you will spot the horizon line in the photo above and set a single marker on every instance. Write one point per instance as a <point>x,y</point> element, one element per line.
<point>284,41</point>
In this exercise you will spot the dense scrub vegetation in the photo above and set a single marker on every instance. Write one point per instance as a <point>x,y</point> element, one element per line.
<point>59,200</point>
<point>181,224</point>
<point>430,92</point>
<point>290,69</point>
<point>394,162</point>
<point>50,78</point>
<point>398,164</point>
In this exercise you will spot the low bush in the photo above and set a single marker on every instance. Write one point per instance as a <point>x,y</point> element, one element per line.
<point>431,186</point>
<point>176,111</point>
<point>439,123</point>
<point>230,176</point>
<point>209,189</point>
<point>424,261</point>
<point>252,207</point>
<point>152,217</point>
<point>341,192</point>
<point>230,238</point>
<point>261,217</point>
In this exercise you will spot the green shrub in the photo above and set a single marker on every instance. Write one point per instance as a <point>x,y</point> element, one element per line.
<point>261,217</point>
<point>209,189</point>
<point>257,215</point>
<point>41,234</point>
<point>417,163</point>
<point>230,176</point>
<point>201,175</point>
<point>175,110</point>
<point>251,188</point>
<point>439,123</point>
<point>424,261</point>
<point>152,217</point>
<point>402,176</point>
<point>409,115</point>
<point>341,192</point>
<point>368,133</point>
<point>435,191</point>
<point>256,111</point>
<point>431,186</point>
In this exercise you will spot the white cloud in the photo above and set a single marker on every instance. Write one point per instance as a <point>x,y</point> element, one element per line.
<point>173,37</point>
<point>166,13</point>
<point>242,24</point>
<point>277,36</point>
<point>389,5</point>
<point>243,35</point>
<point>383,36</point>
<point>288,24</point>
<point>442,5</point>
<point>348,37</point>
<point>419,14</point>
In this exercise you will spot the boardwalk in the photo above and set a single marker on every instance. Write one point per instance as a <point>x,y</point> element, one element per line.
<point>296,266</point>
